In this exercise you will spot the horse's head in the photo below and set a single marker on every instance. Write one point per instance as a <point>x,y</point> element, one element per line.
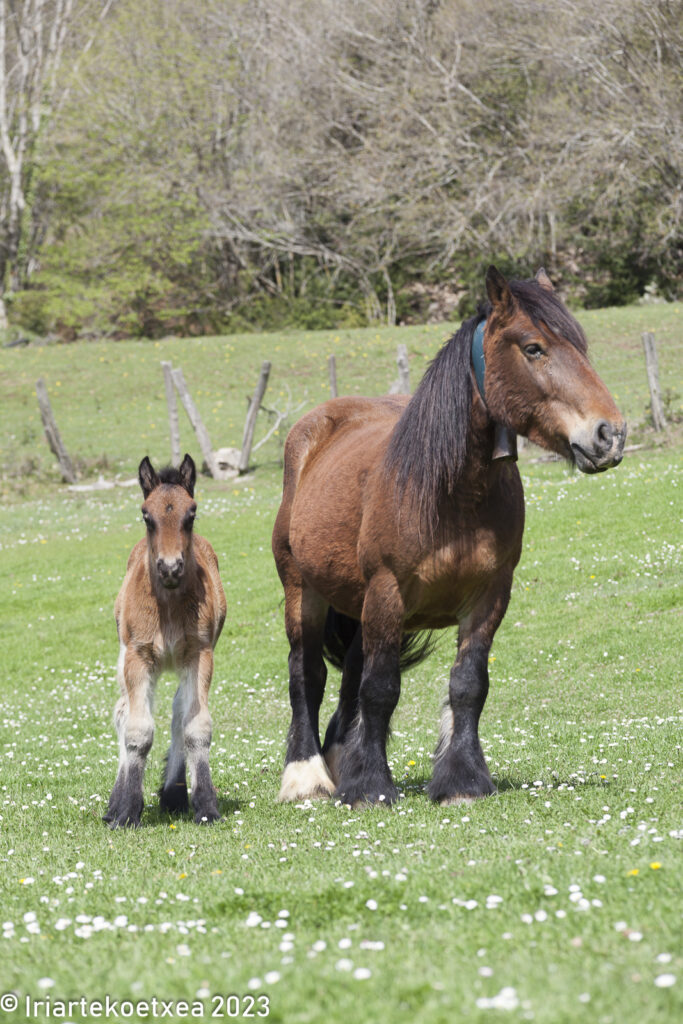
<point>539,381</point>
<point>168,511</point>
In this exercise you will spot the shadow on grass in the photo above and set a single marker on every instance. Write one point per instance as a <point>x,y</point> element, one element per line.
<point>416,784</point>
<point>154,817</point>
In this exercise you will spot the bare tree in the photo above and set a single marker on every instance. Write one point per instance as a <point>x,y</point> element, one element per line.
<point>33,38</point>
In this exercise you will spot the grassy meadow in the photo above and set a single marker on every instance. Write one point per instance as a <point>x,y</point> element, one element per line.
<point>555,900</point>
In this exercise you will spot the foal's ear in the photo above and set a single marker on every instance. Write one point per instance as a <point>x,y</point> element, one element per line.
<point>498,290</point>
<point>544,281</point>
<point>147,475</point>
<point>188,474</point>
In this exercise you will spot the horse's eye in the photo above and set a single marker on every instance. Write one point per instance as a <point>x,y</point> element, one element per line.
<point>533,351</point>
<point>188,521</point>
<point>148,521</point>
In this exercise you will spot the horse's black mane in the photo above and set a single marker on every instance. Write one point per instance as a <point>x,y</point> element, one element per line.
<point>428,448</point>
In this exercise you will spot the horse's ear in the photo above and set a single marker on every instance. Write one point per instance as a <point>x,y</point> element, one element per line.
<point>188,474</point>
<point>147,476</point>
<point>498,290</point>
<point>544,281</point>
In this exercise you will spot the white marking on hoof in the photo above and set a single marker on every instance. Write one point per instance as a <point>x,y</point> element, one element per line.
<point>332,759</point>
<point>449,801</point>
<point>306,780</point>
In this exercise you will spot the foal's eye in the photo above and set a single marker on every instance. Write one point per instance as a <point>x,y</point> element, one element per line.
<point>533,351</point>
<point>189,518</point>
<point>148,521</point>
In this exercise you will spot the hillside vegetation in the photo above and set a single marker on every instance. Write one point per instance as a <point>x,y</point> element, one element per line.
<point>227,166</point>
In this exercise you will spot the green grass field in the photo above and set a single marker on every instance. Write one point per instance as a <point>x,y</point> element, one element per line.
<point>556,900</point>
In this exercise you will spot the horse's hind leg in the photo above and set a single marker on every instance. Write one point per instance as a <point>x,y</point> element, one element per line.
<point>364,774</point>
<point>173,793</point>
<point>135,728</point>
<point>347,709</point>
<point>195,682</point>
<point>305,774</point>
<point>460,770</point>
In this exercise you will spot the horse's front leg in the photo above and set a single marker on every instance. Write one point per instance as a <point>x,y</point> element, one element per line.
<point>460,770</point>
<point>305,775</point>
<point>195,681</point>
<point>364,775</point>
<point>135,728</point>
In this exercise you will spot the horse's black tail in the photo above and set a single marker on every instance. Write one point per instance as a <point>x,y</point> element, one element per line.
<point>340,631</point>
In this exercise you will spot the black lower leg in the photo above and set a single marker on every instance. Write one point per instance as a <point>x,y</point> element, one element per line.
<point>364,772</point>
<point>460,770</point>
<point>126,802</point>
<point>204,799</point>
<point>307,676</point>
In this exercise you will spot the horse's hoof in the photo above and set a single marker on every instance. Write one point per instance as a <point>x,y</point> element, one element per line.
<point>459,798</point>
<point>360,796</point>
<point>124,822</point>
<point>306,780</point>
<point>207,817</point>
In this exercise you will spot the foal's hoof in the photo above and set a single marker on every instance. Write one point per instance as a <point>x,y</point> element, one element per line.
<point>306,780</point>
<point>124,815</point>
<point>122,821</point>
<point>206,817</point>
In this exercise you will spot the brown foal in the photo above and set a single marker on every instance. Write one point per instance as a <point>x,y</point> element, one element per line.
<point>169,614</point>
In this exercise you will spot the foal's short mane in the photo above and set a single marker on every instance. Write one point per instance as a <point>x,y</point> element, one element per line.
<point>428,447</point>
<point>170,475</point>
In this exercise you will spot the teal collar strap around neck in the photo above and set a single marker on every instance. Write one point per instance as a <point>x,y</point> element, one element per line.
<point>478,358</point>
<point>505,440</point>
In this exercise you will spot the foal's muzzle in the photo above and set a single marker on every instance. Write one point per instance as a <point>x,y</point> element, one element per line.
<point>600,448</point>
<point>170,572</point>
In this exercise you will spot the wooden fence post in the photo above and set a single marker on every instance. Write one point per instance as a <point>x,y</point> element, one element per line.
<point>403,370</point>
<point>658,418</point>
<point>252,412</point>
<point>196,421</point>
<point>52,434</point>
<point>172,413</point>
<point>332,366</point>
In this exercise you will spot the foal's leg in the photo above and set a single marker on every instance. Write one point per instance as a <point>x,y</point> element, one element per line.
<point>173,793</point>
<point>195,680</point>
<point>364,774</point>
<point>347,709</point>
<point>135,728</point>
<point>460,771</point>
<point>305,776</point>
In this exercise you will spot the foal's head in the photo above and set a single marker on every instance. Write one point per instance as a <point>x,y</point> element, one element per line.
<point>539,381</point>
<point>168,510</point>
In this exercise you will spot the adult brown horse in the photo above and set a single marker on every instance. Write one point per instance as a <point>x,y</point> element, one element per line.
<point>400,515</point>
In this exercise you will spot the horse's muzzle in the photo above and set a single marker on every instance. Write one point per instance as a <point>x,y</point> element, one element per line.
<point>599,449</point>
<point>170,573</point>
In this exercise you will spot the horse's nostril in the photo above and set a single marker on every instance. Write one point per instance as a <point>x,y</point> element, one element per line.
<point>604,434</point>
